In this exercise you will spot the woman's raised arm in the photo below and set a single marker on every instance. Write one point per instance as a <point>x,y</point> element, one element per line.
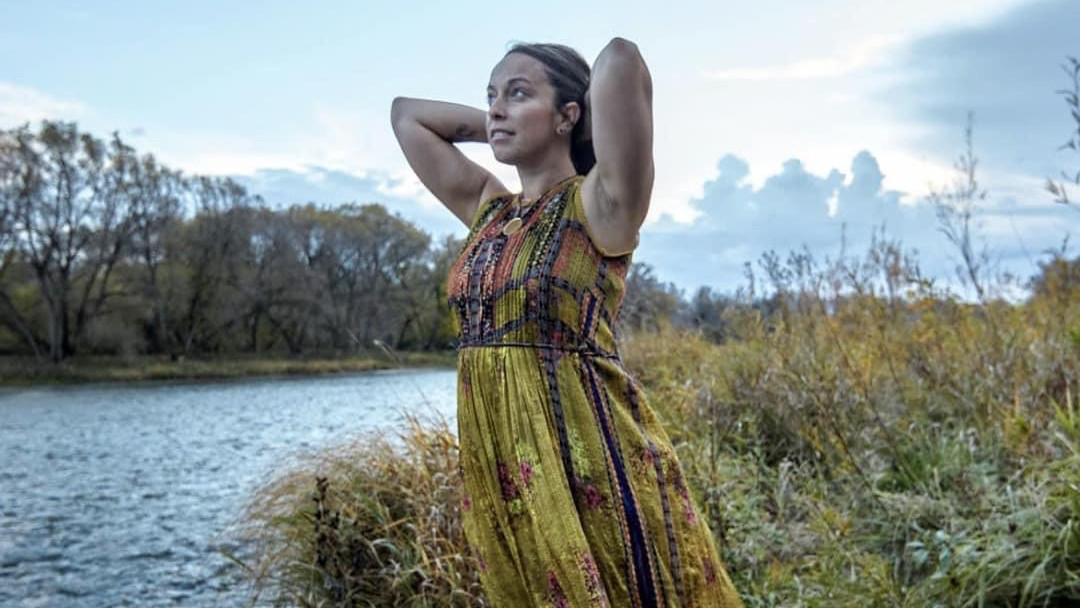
<point>427,131</point>
<point>617,190</point>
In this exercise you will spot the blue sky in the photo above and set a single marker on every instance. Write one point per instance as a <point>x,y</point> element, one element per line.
<point>777,122</point>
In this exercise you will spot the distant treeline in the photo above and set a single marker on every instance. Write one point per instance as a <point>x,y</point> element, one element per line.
<point>104,251</point>
<point>107,251</point>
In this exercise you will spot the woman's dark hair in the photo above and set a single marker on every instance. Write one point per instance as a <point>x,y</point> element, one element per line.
<point>569,75</point>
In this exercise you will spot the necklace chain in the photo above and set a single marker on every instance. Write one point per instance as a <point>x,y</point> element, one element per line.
<point>521,203</point>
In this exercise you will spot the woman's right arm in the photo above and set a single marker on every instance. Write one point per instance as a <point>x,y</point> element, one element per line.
<point>427,131</point>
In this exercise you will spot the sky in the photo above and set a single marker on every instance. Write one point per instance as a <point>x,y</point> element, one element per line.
<point>779,124</point>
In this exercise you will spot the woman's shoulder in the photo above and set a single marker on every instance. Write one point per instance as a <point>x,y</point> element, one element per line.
<point>487,208</point>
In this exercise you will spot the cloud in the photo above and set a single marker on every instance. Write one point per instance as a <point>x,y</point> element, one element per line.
<point>1006,72</point>
<point>777,210</point>
<point>1004,69</point>
<point>19,104</point>
<point>857,57</point>
<point>281,188</point>
<point>795,208</point>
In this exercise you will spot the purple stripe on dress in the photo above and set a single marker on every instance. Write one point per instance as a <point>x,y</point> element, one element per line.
<point>661,484</point>
<point>639,544</point>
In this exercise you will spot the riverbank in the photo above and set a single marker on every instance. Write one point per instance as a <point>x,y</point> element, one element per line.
<point>23,371</point>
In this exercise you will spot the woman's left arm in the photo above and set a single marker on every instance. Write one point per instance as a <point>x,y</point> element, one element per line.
<point>616,191</point>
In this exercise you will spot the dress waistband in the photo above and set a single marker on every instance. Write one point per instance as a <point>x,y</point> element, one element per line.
<point>588,351</point>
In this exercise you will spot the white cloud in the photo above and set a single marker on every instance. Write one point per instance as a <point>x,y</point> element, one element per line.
<point>19,104</point>
<point>866,53</point>
<point>328,186</point>
<point>346,138</point>
<point>738,220</point>
<point>405,185</point>
<point>210,161</point>
<point>356,142</point>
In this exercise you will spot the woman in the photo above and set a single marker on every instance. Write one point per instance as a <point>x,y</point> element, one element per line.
<point>573,493</point>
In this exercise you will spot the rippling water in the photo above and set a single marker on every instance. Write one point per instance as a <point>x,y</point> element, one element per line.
<point>118,495</point>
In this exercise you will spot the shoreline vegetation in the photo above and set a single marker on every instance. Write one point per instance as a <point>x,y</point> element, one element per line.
<point>848,450</point>
<point>18,371</point>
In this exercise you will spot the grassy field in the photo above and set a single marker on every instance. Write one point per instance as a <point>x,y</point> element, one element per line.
<point>852,446</point>
<point>22,371</point>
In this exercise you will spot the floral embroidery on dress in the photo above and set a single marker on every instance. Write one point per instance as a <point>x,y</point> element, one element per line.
<point>528,466</point>
<point>555,592</point>
<point>513,490</point>
<point>526,470</point>
<point>466,502</point>
<point>593,584</point>
<point>466,382</point>
<point>644,461</point>
<point>710,571</point>
<point>593,498</point>
<point>680,487</point>
<point>588,493</point>
<point>506,482</point>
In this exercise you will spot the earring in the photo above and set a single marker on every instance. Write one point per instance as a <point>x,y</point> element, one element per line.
<point>561,130</point>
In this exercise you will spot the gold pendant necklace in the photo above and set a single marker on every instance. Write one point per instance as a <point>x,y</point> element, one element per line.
<point>512,226</point>
<point>515,223</point>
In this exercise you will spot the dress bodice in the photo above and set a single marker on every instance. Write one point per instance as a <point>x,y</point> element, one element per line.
<point>543,282</point>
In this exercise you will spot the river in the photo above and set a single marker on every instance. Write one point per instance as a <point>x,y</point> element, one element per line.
<point>120,495</point>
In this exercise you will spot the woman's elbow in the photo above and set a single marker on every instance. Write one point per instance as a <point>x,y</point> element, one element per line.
<point>622,58</point>
<point>399,109</point>
<point>621,46</point>
<point>622,52</point>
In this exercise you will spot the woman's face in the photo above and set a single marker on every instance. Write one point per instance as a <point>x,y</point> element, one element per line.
<point>521,118</point>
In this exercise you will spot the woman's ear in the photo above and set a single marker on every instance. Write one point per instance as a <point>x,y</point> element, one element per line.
<point>571,113</point>
<point>583,119</point>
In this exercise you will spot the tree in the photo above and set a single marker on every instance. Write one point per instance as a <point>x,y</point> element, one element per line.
<point>955,207</point>
<point>429,322</point>
<point>210,244</point>
<point>1072,100</point>
<point>1058,278</point>
<point>648,303</point>
<point>375,252</point>
<point>69,221</point>
<point>157,197</point>
<point>708,312</point>
<point>12,314</point>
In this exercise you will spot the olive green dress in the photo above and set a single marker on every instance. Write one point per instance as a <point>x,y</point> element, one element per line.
<point>574,496</point>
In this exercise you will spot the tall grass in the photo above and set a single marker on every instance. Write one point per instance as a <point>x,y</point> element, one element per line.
<point>866,438</point>
<point>877,441</point>
<point>373,522</point>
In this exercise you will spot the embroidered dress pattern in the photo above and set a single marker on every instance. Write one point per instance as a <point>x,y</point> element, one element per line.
<point>574,496</point>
